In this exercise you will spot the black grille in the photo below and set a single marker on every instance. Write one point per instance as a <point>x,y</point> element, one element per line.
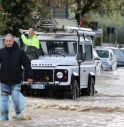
<point>42,75</point>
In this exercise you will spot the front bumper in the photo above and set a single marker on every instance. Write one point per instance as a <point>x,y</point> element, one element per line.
<point>106,68</point>
<point>28,89</point>
<point>120,63</point>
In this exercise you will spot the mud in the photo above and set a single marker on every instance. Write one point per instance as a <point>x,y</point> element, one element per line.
<point>105,109</point>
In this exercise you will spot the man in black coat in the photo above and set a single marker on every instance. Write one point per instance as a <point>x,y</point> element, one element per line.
<point>12,58</point>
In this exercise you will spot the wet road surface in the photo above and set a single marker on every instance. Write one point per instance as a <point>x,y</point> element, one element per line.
<point>105,109</point>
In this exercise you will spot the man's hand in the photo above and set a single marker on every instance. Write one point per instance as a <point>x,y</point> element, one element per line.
<point>30,81</point>
<point>21,31</point>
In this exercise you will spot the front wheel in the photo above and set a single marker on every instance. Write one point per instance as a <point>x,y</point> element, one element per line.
<point>91,89</point>
<point>75,92</point>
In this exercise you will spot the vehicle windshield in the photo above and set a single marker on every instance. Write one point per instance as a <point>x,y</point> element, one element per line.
<point>103,53</point>
<point>65,48</point>
<point>118,52</point>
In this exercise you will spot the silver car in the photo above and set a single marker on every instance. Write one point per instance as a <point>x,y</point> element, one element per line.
<point>107,57</point>
<point>119,53</point>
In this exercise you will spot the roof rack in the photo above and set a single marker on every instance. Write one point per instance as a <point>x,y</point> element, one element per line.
<point>48,24</point>
<point>80,30</point>
<point>68,31</point>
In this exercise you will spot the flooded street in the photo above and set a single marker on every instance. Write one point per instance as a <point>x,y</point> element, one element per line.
<point>105,109</point>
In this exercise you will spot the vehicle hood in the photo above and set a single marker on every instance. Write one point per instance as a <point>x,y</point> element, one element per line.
<point>105,60</point>
<point>55,61</point>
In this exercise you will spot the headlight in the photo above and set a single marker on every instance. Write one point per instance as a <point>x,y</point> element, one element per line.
<point>59,75</point>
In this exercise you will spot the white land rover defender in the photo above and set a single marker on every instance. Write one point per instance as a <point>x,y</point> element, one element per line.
<point>67,63</point>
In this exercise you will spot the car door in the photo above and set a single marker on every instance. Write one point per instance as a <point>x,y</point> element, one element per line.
<point>87,65</point>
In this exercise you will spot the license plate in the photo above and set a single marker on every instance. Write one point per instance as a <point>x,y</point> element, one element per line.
<point>38,86</point>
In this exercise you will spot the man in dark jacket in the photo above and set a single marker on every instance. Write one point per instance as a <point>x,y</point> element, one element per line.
<point>12,58</point>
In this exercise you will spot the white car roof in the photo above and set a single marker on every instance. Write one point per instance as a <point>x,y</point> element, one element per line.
<point>101,48</point>
<point>112,47</point>
<point>63,37</point>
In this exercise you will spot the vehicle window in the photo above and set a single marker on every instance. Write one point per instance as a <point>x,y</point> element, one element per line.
<point>118,52</point>
<point>88,51</point>
<point>111,55</point>
<point>121,53</point>
<point>103,53</point>
<point>58,47</point>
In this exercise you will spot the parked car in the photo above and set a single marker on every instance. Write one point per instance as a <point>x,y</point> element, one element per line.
<point>98,64</point>
<point>119,53</point>
<point>107,57</point>
<point>122,49</point>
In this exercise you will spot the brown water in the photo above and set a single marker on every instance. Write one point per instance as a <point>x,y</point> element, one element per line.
<point>105,109</point>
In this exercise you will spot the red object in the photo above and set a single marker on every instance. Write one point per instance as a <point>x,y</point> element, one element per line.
<point>81,22</point>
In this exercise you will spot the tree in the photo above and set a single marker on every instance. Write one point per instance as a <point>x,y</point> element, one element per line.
<point>17,14</point>
<point>108,7</point>
<point>41,7</point>
<point>111,7</point>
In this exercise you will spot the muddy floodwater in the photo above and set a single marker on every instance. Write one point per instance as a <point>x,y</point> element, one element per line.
<point>105,109</point>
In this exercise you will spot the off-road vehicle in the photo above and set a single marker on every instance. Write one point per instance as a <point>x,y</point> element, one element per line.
<point>67,64</point>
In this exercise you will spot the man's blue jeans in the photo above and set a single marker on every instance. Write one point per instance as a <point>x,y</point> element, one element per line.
<point>16,97</point>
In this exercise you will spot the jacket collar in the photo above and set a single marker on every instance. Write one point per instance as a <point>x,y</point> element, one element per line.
<point>15,46</point>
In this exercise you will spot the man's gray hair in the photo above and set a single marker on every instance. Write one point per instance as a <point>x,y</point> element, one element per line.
<point>9,35</point>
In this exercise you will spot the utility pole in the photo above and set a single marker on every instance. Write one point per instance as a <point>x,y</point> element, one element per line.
<point>66,8</point>
<point>110,31</point>
<point>116,37</point>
